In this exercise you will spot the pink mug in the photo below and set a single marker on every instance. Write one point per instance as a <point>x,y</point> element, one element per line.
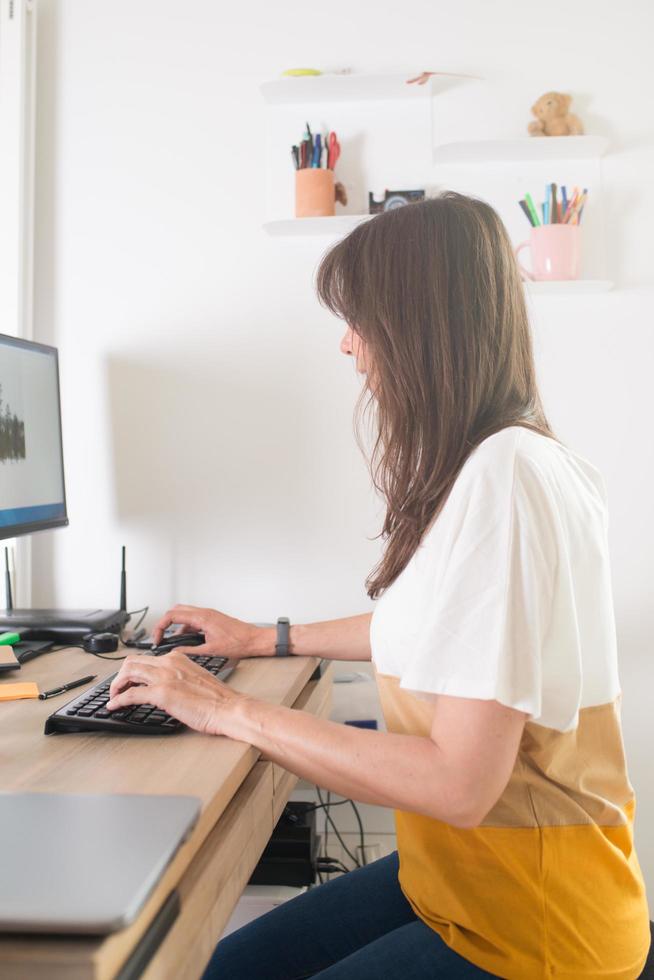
<point>555,252</point>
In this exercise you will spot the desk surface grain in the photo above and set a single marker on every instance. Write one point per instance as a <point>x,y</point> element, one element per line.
<point>187,763</point>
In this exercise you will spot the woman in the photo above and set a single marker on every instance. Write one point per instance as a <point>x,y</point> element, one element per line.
<point>493,641</point>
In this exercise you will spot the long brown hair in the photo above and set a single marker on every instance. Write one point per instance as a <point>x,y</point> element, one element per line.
<point>434,291</point>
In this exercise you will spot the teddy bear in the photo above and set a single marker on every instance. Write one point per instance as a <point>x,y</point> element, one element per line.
<point>553,118</point>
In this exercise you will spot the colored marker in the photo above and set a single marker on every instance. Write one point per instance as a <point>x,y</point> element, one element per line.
<point>532,209</point>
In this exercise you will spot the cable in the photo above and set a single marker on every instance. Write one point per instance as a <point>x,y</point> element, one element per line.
<point>336,830</point>
<point>144,611</point>
<point>361,834</point>
<point>331,869</point>
<point>320,806</point>
<point>78,646</point>
<point>333,864</point>
<point>327,807</point>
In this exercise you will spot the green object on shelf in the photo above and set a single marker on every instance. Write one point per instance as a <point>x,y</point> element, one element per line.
<point>298,72</point>
<point>9,639</point>
<point>532,210</point>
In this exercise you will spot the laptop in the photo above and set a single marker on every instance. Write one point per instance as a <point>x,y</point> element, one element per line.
<point>85,864</point>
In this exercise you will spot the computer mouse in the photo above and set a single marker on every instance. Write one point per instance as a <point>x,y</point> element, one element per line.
<point>100,642</point>
<point>190,639</point>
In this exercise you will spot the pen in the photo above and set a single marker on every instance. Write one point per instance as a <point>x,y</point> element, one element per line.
<point>67,687</point>
<point>554,217</point>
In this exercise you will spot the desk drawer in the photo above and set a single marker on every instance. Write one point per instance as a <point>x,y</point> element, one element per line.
<point>215,880</point>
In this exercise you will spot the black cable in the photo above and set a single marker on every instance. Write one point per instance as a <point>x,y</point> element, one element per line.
<point>78,646</point>
<point>361,834</point>
<point>144,611</point>
<point>336,830</point>
<point>332,869</point>
<point>325,862</point>
<point>320,806</point>
<point>326,837</point>
<point>327,806</point>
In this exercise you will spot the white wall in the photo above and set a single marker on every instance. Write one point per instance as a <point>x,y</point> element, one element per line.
<point>207,411</point>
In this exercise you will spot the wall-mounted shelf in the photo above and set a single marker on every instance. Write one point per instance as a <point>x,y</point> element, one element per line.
<point>570,287</point>
<point>339,224</point>
<point>522,148</point>
<point>350,88</point>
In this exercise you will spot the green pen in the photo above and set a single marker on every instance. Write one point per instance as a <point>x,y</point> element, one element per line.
<point>532,210</point>
<point>9,639</point>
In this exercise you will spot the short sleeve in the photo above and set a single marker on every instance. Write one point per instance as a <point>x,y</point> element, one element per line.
<point>485,626</point>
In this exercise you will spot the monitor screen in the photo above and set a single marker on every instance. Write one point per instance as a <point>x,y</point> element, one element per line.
<point>32,494</point>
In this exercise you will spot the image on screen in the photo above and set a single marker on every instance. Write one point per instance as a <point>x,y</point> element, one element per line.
<point>32,494</point>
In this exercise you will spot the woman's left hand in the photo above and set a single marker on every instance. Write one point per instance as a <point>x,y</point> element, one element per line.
<point>175,684</point>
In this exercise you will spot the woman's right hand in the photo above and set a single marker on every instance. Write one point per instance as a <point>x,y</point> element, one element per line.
<point>224,635</point>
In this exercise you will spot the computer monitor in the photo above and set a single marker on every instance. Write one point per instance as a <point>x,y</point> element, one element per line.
<point>32,491</point>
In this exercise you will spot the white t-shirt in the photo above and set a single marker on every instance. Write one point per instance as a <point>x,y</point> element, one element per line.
<point>508,597</point>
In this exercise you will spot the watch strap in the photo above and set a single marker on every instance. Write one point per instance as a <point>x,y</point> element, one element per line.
<point>283,637</point>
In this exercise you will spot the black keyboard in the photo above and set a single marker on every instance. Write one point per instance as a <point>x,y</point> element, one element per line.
<point>88,711</point>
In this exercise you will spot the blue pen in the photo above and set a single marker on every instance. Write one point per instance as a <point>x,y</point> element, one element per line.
<point>315,162</point>
<point>564,199</point>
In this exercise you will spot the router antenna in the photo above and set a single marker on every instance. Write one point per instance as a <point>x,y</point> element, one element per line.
<point>9,599</point>
<point>123,585</point>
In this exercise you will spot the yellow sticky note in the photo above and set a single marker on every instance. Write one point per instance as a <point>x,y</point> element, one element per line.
<point>13,692</point>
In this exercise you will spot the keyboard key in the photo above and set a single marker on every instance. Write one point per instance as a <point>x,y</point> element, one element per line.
<point>85,712</point>
<point>102,713</point>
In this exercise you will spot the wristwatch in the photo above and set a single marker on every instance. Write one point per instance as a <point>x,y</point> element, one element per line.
<point>283,630</point>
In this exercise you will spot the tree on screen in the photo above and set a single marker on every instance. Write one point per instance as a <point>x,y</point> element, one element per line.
<point>12,434</point>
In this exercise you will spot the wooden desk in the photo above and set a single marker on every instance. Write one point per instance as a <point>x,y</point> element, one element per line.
<point>242,798</point>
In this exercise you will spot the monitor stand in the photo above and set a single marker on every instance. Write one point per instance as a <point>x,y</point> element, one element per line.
<point>63,625</point>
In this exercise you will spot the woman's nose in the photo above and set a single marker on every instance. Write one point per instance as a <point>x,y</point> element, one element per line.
<point>346,343</point>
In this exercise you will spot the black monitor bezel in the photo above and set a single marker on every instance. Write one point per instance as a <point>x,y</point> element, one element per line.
<point>18,530</point>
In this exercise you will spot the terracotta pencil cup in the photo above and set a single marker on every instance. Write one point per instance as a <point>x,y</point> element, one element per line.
<point>315,196</point>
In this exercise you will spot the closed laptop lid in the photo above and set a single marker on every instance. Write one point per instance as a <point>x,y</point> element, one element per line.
<point>85,863</point>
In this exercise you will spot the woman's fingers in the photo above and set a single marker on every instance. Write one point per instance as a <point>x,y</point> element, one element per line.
<point>184,615</point>
<point>174,666</point>
<point>135,670</point>
<point>141,694</point>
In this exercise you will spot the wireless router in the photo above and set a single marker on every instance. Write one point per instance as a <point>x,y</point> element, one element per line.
<point>63,625</point>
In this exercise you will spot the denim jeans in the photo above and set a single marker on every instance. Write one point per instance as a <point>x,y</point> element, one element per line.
<point>356,927</point>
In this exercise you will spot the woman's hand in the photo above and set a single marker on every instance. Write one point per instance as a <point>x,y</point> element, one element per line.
<point>224,635</point>
<point>175,684</point>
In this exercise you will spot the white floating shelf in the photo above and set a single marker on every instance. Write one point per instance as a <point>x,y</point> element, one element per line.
<point>569,287</point>
<point>522,148</point>
<point>339,224</point>
<point>350,88</point>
